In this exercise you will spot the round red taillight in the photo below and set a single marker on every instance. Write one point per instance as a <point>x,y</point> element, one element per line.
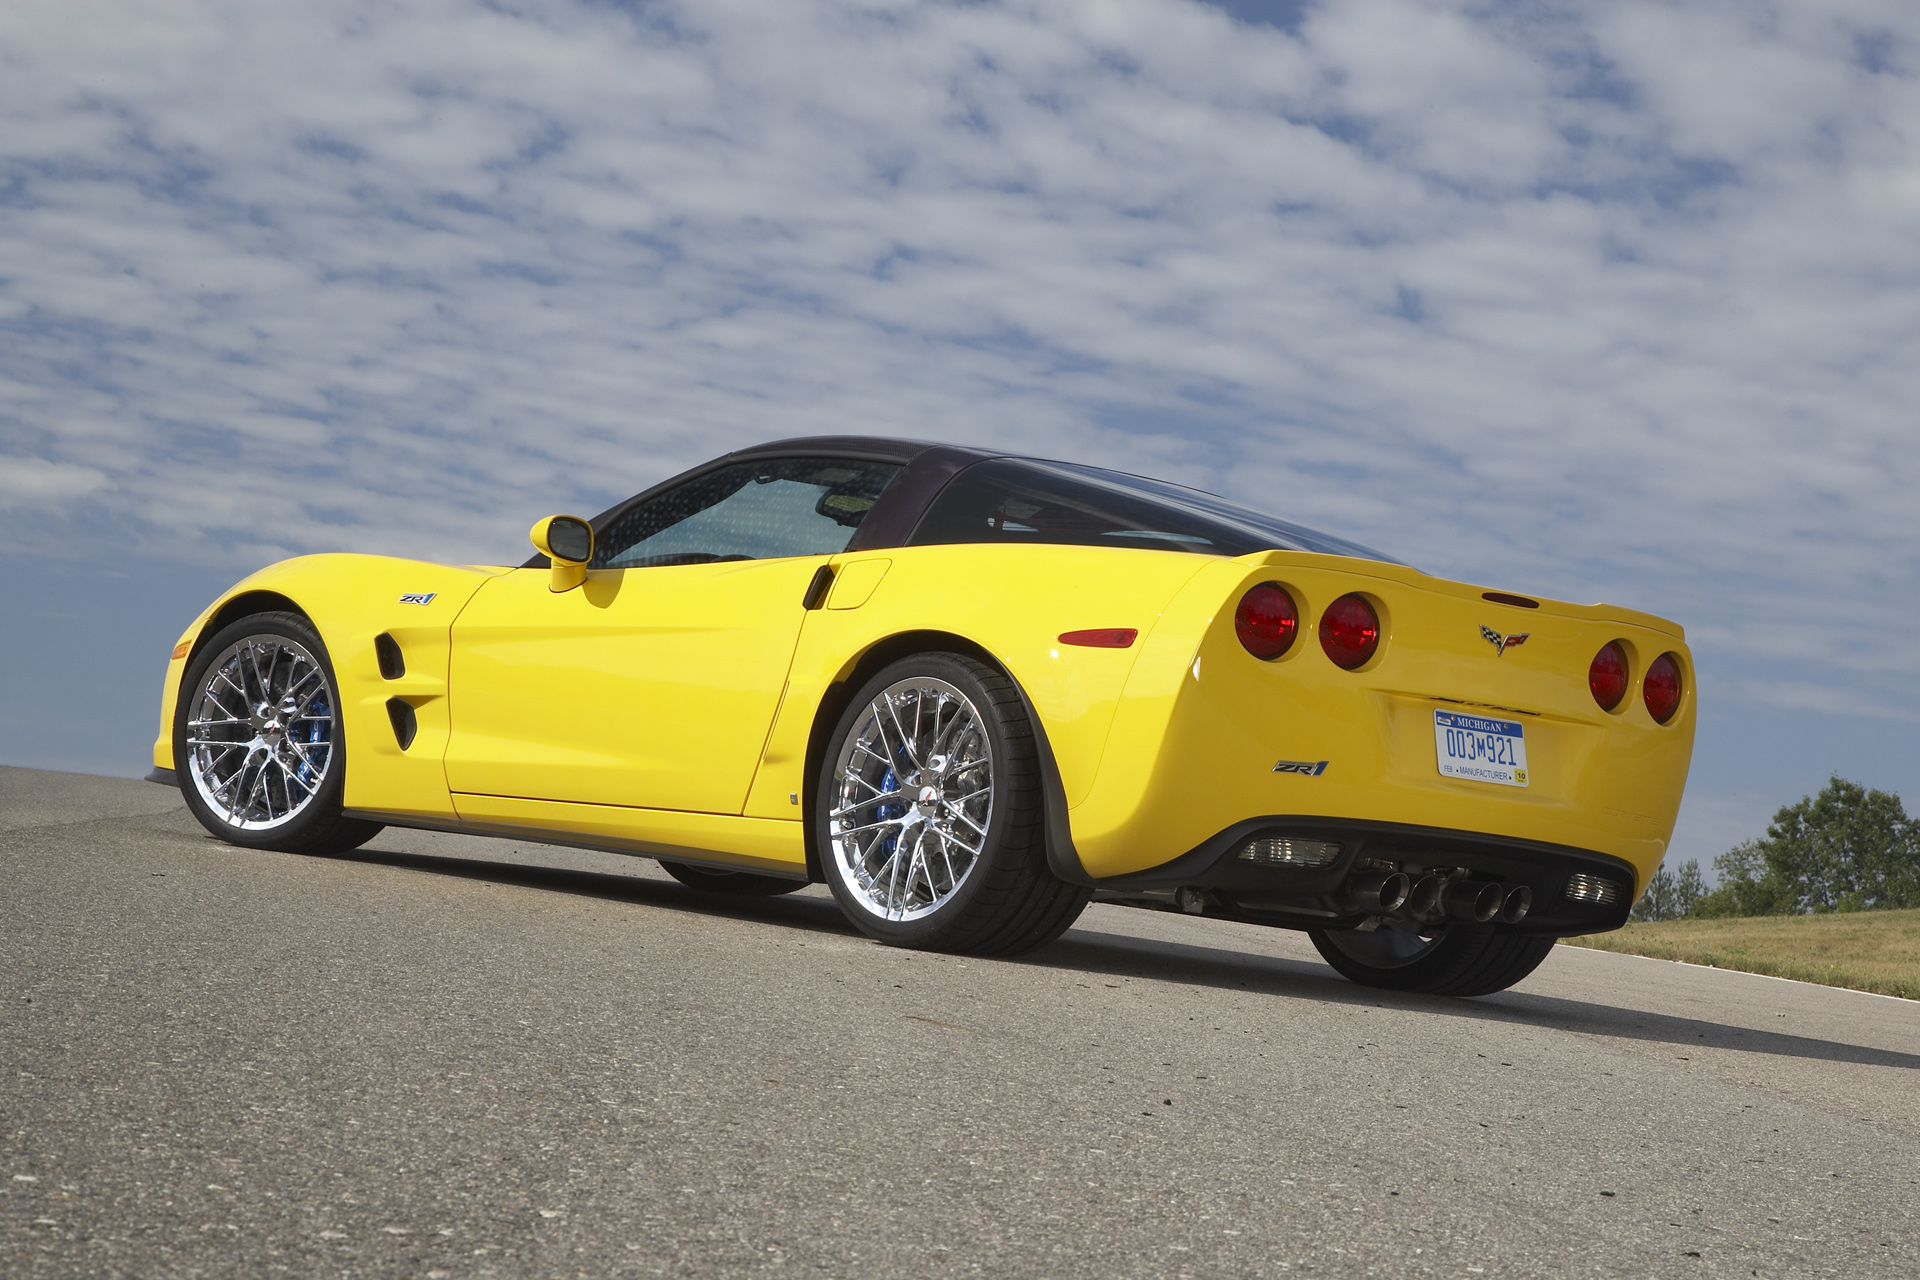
<point>1607,677</point>
<point>1661,688</point>
<point>1266,621</point>
<point>1350,631</point>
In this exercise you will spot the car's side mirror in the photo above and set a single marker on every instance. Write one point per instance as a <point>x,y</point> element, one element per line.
<point>568,542</point>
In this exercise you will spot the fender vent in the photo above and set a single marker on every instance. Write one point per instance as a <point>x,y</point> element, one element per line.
<point>405,725</point>
<point>392,664</point>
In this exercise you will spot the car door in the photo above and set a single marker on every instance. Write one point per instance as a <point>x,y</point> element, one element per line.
<point>653,684</point>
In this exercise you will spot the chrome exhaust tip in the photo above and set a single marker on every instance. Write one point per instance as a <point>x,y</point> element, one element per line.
<point>1378,892</point>
<point>1424,900</point>
<point>1519,902</point>
<point>1475,900</point>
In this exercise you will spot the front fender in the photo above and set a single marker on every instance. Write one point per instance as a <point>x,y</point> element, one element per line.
<point>349,600</point>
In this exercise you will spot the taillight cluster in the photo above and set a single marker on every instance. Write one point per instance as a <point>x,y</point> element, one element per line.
<point>1609,678</point>
<point>1268,620</point>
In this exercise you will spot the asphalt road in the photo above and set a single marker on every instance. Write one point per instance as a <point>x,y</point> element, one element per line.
<point>444,1056</point>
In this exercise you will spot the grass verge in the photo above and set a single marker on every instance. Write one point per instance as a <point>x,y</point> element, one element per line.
<point>1865,950</point>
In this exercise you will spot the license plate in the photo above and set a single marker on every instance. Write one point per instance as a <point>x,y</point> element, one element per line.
<point>1480,748</point>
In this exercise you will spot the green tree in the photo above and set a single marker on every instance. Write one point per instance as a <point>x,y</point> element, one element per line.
<point>1849,848</point>
<point>1670,895</point>
<point>1748,887</point>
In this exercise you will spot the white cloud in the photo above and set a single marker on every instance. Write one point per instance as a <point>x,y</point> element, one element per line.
<point>1592,301</point>
<point>36,482</point>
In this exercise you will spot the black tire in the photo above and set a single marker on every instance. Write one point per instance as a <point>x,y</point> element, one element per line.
<point>298,675</point>
<point>736,884</point>
<point>1005,901</point>
<point>1466,960</point>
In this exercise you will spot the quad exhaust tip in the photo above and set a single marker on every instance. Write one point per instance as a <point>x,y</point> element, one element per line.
<point>1379,892</point>
<point>1477,901</point>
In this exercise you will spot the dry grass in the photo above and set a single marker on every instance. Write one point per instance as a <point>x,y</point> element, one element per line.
<point>1865,950</point>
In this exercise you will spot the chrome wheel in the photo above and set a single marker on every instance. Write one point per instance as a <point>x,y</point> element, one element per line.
<point>260,737</point>
<point>912,799</point>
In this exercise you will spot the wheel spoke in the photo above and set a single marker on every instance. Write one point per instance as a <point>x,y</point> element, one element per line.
<point>862,804</point>
<point>952,879</point>
<point>293,777</point>
<point>943,744</point>
<point>259,677</point>
<point>956,811</point>
<point>906,742</point>
<point>871,826</point>
<point>861,746</point>
<point>294,686</point>
<point>300,753</point>
<point>239,687</point>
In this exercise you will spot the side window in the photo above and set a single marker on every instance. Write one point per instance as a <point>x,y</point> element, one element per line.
<point>748,511</point>
<point>1008,501</point>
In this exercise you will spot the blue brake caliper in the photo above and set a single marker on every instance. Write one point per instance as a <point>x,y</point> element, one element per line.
<point>314,730</point>
<point>887,811</point>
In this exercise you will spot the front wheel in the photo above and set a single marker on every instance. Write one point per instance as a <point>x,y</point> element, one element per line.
<point>1461,960</point>
<point>928,813</point>
<point>257,743</point>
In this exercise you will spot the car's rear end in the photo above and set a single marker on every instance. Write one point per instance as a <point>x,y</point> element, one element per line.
<point>1339,743</point>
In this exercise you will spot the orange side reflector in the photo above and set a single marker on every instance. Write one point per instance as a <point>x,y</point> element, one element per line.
<point>180,650</point>
<point>1102,638</point>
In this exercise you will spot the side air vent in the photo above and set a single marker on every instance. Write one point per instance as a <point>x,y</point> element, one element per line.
<point>392,664</point>
<point>405,725</point>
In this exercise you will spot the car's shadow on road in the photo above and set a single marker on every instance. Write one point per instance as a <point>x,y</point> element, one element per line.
<point>1118,954</point>
<point>810,913</point>
<point>1089,951</point>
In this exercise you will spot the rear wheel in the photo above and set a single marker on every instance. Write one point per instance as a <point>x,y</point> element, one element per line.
<point>1460,960</point>
<point>257,740</point>
<point>738,884</point>
<point>928,813</point>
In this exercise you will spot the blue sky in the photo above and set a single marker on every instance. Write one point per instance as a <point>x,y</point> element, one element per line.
<point>1607,301</point>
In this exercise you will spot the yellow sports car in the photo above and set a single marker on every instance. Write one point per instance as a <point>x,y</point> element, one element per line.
<point>969,691</point>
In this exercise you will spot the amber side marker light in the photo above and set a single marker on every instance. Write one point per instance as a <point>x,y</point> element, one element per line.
<point>1266,621</point>
<point>1661,688</point>
<point>1350,631</point>
<point>1607,676</point>
<point>1102,638</point>
<point>180,650</point>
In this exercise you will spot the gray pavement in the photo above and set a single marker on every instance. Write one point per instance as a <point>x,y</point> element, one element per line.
<point>445,1056</point>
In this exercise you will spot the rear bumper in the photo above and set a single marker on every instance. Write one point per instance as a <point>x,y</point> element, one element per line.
<point>1225,885</point>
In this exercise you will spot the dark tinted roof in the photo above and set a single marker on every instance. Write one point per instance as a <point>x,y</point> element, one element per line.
<point>1208,523</point>
<point>1023,500</point>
